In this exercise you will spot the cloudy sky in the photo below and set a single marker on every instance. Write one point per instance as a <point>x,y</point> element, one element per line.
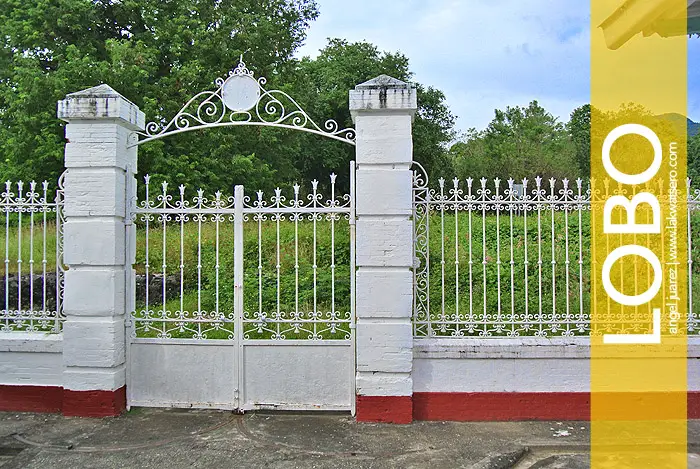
<point>484,54</point>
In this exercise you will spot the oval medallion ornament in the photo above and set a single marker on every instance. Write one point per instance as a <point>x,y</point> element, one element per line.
<point>240,93</point>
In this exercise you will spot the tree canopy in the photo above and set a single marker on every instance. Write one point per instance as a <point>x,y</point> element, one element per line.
<point>529,141</point>
<point>158,54</point>
<point>519,142</point>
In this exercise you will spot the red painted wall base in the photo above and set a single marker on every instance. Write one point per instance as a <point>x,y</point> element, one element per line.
<point>31,398</point>
<point>486,406</point>
<point>501,406</point>
<point>505,406</point>
<point>94,403</point>
<point>55,399</point>
<point>384,409</point>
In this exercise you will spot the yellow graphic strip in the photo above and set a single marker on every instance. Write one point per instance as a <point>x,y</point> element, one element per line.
<point>639,229</point>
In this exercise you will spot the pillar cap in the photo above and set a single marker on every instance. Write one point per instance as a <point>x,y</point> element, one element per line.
<point>384,94</point>
<point>101,102</point>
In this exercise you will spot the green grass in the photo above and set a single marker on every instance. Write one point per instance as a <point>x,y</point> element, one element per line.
<point>260,284</point>
<point>497,263</point>
<point>543,291</point>
<point>22,239</point>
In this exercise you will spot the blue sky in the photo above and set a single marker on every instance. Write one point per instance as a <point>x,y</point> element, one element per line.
<point>484,54</point>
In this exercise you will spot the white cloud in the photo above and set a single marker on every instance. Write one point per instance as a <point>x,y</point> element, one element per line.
<point>484,54</point>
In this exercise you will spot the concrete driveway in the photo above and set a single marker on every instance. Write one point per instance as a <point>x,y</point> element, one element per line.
<point>153,438</point>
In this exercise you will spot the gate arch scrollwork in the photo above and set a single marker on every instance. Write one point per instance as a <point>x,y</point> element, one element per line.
<point>241,99</point>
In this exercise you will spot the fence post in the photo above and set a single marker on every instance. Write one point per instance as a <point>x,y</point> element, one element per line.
<point>383,111</point>
<point>238,198</point>
<point>99,163</point>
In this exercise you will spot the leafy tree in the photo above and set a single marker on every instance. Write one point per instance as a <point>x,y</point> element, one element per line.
<point>156,54</point>
<point>579,128</point>
<point>694,159</point>
<point>519,142</point>
<point>159,54</point>
<point>632,152</point>
<point>323,84</point>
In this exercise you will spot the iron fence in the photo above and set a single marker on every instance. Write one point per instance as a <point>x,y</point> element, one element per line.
<point>498,258</point>
<point>31,292</point>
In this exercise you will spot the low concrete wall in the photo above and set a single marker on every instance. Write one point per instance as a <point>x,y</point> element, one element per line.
<point>31,367</point>
<point>511,379</point>
<point>31,359</point>
<point>513,365</point>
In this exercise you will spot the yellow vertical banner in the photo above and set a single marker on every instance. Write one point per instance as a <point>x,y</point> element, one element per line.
<point>639,229</point>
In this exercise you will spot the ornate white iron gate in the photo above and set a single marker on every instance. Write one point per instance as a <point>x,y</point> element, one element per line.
<point>243,302</point>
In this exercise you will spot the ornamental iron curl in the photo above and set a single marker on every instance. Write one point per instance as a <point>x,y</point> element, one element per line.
<point>241,99</point>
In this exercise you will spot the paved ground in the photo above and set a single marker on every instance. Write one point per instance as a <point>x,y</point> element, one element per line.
<point>174,439</point>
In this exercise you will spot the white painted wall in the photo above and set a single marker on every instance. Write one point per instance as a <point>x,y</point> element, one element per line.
<point>31,359</point>
<point>513,365</point>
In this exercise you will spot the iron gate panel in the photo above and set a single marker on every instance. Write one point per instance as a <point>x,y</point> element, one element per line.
<point>259,315</point>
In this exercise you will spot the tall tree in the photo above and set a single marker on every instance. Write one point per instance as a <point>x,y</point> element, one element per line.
<point>323,83</point>
<point>519,142</point>
<point>156,53</point>
<point>579,127</point>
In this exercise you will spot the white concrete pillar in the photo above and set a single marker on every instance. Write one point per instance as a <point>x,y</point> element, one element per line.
<point>98,162</point>
<point>383,111</point>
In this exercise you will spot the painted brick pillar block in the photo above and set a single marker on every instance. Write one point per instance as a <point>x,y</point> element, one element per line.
<point>383,111</point>
<point>98,162</point>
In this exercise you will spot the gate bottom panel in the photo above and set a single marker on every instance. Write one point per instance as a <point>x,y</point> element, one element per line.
<point>184,374</point>
<point>298,375</point>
